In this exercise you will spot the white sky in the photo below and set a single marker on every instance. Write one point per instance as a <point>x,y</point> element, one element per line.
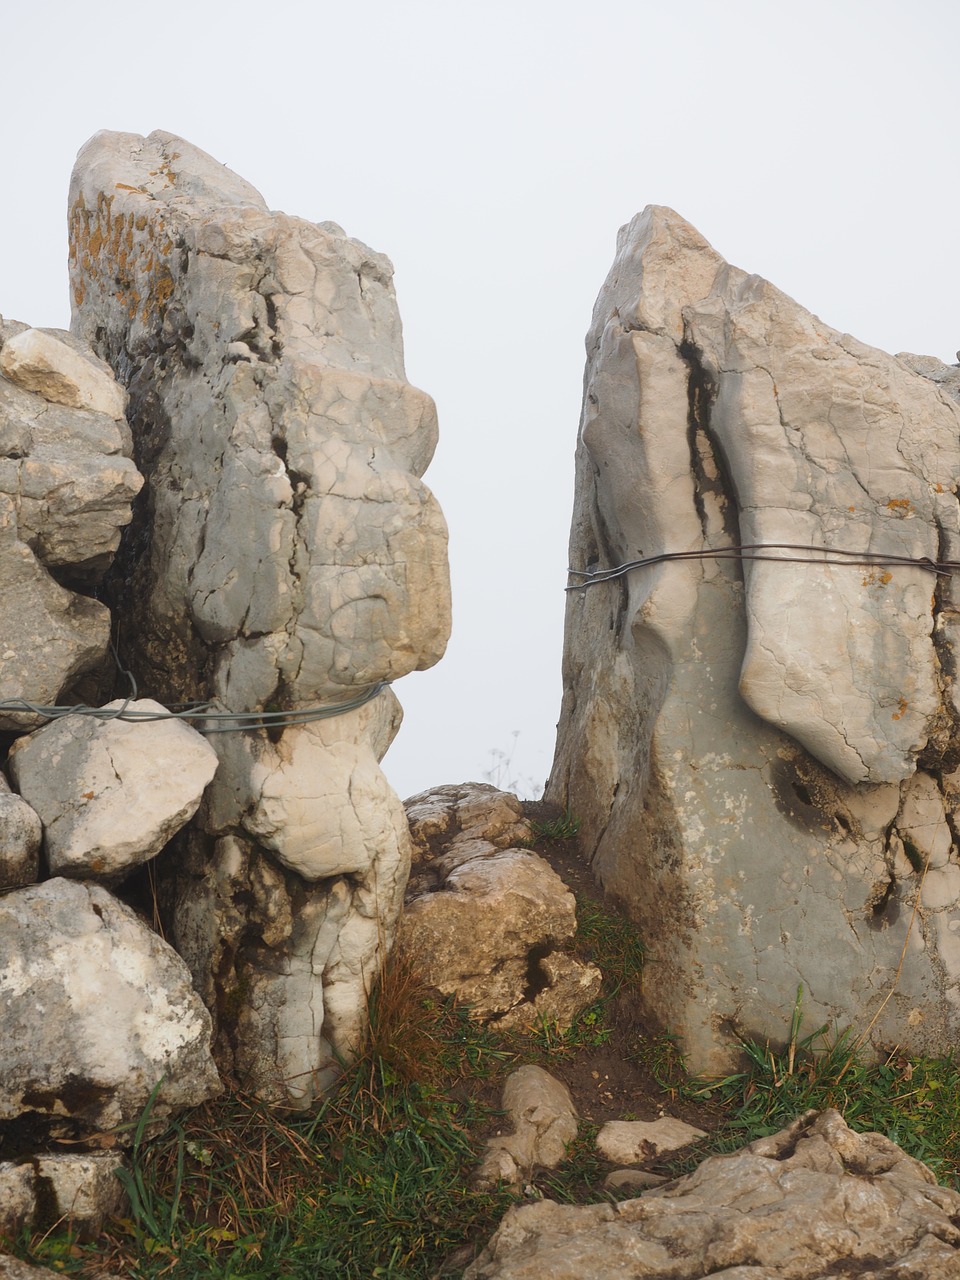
<point>492,149</point>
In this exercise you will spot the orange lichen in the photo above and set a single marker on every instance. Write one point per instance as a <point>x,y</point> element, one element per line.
<point>901,708</point>
<point>899,504</point>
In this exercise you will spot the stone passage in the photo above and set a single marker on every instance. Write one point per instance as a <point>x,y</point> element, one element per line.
<point>764,753</point>
<point>285,554</point>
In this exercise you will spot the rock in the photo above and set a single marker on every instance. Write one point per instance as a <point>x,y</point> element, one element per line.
<point>946,376</point>
<point>735,736</point>
<point>37,361</point>
<point>288,555</point>
<point>65,491</point>
<point>111,793</point>
<point>634,1141</point>
<point>477,937</point>
<point>632,1180</point>
<point>51,637</point>
<point>18,1198</point>
<point>79,1191</point>
<point>63,462</point>
<point>14,1269</point>
<point>97,1010</point>
<point>544,1122</point>
<point>813,1200</point>
<point>20,836</point>
<point>483,918</point>
<point>568,986</point>
<point>290,961</point>
<point>447,816</point>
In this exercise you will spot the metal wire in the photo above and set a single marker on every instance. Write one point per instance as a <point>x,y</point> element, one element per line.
<point>207,720</point>
<point>756,550</point>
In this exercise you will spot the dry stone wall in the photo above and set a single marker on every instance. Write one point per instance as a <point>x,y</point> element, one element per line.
<point>764,750</point>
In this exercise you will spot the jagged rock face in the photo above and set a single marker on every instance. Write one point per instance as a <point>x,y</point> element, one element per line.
<point>287,554</point>
<point>762,754</point>
<point>96,1010</point>
<point>66,488</point>
<point>816,1199</point>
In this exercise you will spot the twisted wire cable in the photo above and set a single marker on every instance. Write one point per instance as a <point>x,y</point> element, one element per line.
<point>757,550</point>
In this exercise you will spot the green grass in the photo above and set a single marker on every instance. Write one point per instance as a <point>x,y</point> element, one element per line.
<point>913,1101</point>
<point>377,1182</point>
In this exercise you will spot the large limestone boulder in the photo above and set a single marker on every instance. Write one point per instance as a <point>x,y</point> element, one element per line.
<point>761,750</point>
<point>97,1011</point>
<point>287,556</point>
<point>816,1199</point>
<point>110,792</point>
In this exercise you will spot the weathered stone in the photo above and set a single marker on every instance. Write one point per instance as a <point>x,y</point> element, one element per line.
<point>814,1200</point>
<point>14,1269</point>
<point>568,986</point>
<point>632,1180</point>
<point>475,937</point>
<point>291,961</point>
<point>288,555</point>
<point>96,1009</point>
<point>544,1123</point>
<point>734,736</point>
<point>447,816</point>
<point>20,836</point>
<point>65,491</point>
<point>18,1197</point>
<point>79,1191</point>
<point>50,636</point>
<point>37,361</point>
<point>109,792</point>
<point>633,1141</point>
<point>482,917</point>
<point>63,462</point>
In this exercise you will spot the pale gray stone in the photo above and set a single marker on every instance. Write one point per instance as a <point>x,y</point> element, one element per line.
<point>49,637</point>
<point>633,1141</point>
<point>78,1191</point>
<point>37,361</point>
<point>543,1123</point>
<point>294,557</point>
<point>813,1200</point>
<point>735,738</point>
<point>109,792</point>
<point>97,1010</point>
<point>63,464</point>
<point>14,1269</point>
<point>20,838</point>
<point>85,1188</point>
<point>18,1198</point>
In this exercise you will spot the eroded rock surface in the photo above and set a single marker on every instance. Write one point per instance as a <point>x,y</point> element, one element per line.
<point>96,1009</point>
<point>287,555</point>
<point>486,921</point>
<point>20,838</point>
<point>540,1122</point>
<point>66,488</point>
<point>816,1199</point>
<point>762,751</point>
<point>109,792</point>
